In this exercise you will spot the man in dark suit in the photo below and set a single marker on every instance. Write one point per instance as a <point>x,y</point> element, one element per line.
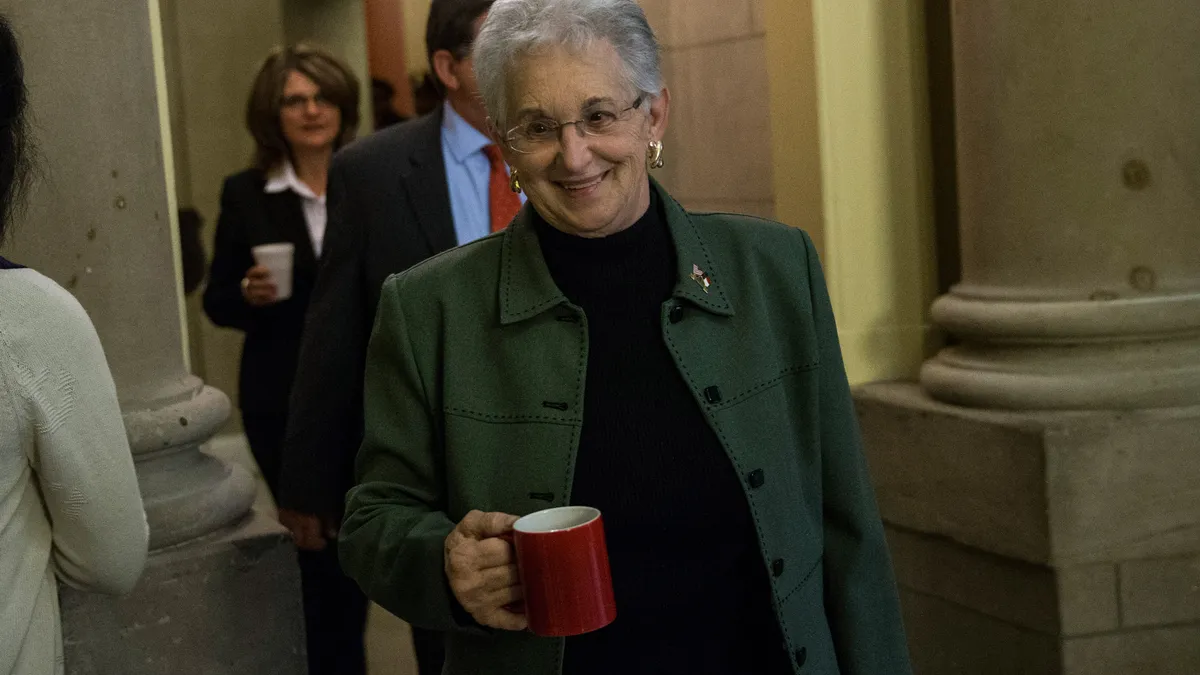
<point>395,198</point>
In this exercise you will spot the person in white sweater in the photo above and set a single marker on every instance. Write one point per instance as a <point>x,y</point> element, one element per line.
<point>69,503</point>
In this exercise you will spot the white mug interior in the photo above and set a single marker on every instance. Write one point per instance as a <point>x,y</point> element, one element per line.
<point>556,519</point>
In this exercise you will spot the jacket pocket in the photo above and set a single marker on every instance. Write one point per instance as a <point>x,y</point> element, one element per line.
<point>513,464</point>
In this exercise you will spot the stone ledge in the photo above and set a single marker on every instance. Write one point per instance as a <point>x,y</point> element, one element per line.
<point>1058,489</point>
<point>1057,543</point>
<point>947,639</point>
<point>1159,592</point>
<point>1072,601</point>
<point>1170,650</point>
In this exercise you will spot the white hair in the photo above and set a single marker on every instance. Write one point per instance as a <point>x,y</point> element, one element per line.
<point>515,28</point>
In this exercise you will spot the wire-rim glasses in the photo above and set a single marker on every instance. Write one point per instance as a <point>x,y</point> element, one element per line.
<point>599,120</point>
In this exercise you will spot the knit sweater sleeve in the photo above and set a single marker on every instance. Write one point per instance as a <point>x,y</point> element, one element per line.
<point>80,452</point>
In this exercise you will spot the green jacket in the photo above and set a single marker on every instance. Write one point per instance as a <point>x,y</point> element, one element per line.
<point>470,346</point>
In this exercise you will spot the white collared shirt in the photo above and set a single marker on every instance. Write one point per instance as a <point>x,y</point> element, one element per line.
<point>284,178</point>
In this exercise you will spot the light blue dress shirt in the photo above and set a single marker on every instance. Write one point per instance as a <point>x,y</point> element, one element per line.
<point>467,173</point>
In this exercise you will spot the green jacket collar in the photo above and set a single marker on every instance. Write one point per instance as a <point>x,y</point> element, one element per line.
<point>527,289</point>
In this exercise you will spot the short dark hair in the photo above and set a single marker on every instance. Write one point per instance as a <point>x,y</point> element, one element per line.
<point>335,80</point>
<point>451,27</point>
<point>15,149</point>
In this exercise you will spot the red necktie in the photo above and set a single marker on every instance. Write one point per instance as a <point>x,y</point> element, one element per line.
<point>503,203</point>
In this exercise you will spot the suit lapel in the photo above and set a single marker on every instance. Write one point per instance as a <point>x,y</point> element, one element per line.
<point>425,183</point>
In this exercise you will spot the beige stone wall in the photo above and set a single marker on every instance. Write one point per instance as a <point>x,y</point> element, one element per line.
<point>857,71</point>
<point>795,115</point>
<point>718,144</point>
<point>213,49</point>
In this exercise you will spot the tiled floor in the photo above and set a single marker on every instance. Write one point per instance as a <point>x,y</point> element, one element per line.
<point>389,646</point>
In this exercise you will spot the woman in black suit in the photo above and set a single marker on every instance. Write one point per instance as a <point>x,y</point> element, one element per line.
<point>303,107</point>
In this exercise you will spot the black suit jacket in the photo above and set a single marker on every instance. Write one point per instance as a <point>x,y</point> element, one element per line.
<point>389,208</point>
<point>250,217</point>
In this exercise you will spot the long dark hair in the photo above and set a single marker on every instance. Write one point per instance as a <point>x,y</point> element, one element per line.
<point>15,174</point>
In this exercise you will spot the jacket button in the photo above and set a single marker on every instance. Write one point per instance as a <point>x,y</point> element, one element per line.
<point>801,656</point>
<point>756,478</point>
<point>777,567</point>
<point>676,314</point>
<point>712,395</point>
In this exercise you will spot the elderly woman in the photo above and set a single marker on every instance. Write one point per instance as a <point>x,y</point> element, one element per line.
<point>678,371</point>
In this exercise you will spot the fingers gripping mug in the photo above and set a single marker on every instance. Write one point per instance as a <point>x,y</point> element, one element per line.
<point>563,561</point>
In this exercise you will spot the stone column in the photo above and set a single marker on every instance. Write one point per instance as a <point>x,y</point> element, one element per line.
<point>1079,184</point>
<point>1040,490</point>
<point>221,590</point>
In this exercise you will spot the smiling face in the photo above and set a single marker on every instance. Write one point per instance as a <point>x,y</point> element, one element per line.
<point>309,121</point>
<point>587,185</point>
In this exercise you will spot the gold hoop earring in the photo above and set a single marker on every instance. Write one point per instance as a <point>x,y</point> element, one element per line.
<point>654,155</point>
<point>514,181</point>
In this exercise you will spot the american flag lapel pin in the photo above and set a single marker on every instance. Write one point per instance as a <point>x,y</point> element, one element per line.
<point>701,277</point>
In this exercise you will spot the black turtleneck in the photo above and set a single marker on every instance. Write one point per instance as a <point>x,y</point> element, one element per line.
<point>691,589</point>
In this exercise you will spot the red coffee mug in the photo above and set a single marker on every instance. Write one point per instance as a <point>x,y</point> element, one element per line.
<point>564,569</point>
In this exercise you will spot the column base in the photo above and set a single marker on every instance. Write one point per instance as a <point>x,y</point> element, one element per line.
<point>187,493</point>
<point>1125,376</point>
<point>1046,353</point>
<point>229,603</point>
<point>1056,543</point>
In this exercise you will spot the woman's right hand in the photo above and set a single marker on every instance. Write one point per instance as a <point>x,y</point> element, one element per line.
<point>482,568</point>
<point>257,287</point>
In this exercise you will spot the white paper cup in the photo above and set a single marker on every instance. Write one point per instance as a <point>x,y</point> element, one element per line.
<point>277,258</point>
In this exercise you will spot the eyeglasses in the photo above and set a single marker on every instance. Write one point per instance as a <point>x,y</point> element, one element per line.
<point>601,119</point>
<point>298,101</point>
